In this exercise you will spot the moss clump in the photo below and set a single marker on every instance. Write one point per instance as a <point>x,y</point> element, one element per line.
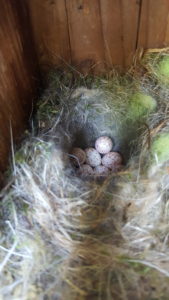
<point>140,105</point>
<point>160,147</point>
<point>163,70</point>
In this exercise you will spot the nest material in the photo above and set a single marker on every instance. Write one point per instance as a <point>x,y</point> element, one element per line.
<point>67,238</point>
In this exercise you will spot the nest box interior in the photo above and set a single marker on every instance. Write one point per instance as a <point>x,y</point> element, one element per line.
<point>90,36</point>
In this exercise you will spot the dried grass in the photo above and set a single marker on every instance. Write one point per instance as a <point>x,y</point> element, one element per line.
<point>64,237</point>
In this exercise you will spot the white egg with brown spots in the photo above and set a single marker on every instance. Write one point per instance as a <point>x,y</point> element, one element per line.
<point>78,156</point>
<point>111,159</point>
<point>103,144</point>
<point>93,158</point>
<point>101,171</point>
<point>116,168</point>
<point>86,170</point>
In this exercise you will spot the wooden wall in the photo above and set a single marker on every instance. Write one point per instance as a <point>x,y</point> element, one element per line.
<point>154,24</point>
<point>90,35</point>
<point>17,74</point>
<point>96,34</point>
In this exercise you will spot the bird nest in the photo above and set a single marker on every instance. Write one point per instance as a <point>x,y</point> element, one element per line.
<point>64,236</point>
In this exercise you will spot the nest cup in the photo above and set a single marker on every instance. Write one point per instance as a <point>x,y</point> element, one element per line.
<point>92,113</point>
<point>75,239</point>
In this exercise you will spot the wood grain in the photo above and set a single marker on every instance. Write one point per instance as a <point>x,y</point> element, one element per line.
<point>154,24</point>
<point>86,36</point>
<point>17,76</point>
<point>50,31</point>
<point>120,22</point>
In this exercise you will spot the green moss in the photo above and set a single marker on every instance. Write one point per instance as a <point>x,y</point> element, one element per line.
<point>160,147</point>
<point>140,105</point>
<point>163,70</point>
<point>19,157</point>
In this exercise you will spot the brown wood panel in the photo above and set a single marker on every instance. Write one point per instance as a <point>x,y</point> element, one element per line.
<point>86,36</point>
<point>166,39</point>
<point>120,25</point>
<point>17,74</point>
<point>154,24</point>
<point>50,31</point>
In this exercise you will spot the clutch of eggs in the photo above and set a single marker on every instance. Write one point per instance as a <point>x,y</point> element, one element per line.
<point>99,161</point>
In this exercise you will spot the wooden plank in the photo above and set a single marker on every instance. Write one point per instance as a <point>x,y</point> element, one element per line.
<point>131,10</point>
<point>17,76</point>
<point>84,33</point>
<point>113,33</point>
<point>154,24</point>
<point>120,26</point>
<point>86,37</point>
<point>50,31</point>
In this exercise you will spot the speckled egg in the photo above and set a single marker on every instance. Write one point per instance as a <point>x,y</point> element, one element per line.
<point>111,159</point>
<point>103,144</point>
<point>101,171</point>
<point>93,158</point>
<point>116,168</point>
<point>78,156</point>
<point>86,170</point>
